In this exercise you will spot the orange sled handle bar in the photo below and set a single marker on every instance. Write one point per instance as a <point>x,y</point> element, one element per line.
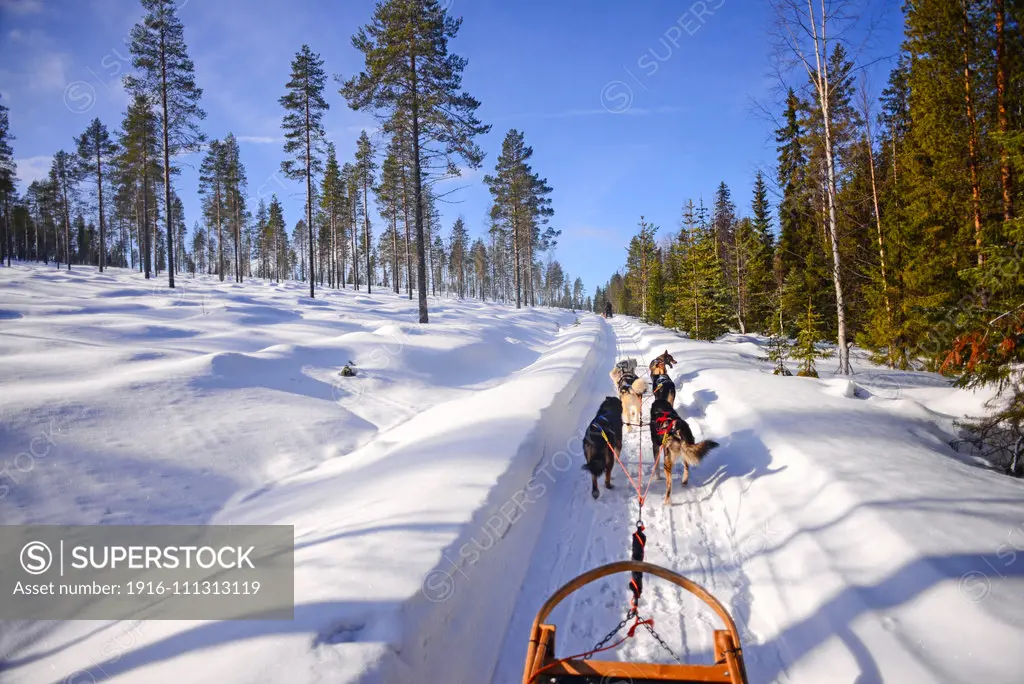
<point>540,655</point>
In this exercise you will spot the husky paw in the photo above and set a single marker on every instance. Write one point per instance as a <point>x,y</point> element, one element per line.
<point>594,493</point>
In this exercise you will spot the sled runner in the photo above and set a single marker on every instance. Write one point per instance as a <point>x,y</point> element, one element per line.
<point>543,666</point>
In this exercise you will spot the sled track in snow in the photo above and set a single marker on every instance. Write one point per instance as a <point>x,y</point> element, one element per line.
<point>581,533</point>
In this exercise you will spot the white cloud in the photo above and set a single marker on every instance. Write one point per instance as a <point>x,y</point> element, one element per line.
<point>49,71</point>
<point>33,168</point>
<point>21,6</point>
<point>257,139</point>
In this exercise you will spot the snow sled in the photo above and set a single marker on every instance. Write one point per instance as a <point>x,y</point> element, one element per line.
<point>543,666</point>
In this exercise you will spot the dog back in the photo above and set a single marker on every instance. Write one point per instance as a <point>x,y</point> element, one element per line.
<point>662,386</point>
<point>626,381</point>
<point>608,420</point>
<point>663,419</point>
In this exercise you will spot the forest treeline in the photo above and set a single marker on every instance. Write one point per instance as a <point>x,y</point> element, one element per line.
<point>897,222</point>
<point>369,221</point>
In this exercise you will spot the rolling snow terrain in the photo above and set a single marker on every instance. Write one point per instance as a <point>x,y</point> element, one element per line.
<point>437,496</point>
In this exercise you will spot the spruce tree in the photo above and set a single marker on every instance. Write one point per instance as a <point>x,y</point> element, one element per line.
<point>806,350</point>
<point>760,267</point>
<point>167,76</point>
<point>409,71</point>
<point>304,107</point>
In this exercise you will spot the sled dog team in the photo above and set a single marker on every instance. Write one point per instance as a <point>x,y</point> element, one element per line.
<point>669,432</point>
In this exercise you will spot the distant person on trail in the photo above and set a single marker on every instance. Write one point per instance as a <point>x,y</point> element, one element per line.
<point>607,309</point>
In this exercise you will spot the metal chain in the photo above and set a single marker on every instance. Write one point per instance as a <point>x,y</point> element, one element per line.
<point>630,615</point>
<point>662,642</point>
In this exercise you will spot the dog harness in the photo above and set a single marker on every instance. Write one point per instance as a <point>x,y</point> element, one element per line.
<point>660,380</point>
<point>626,382</point>
<point>665,422</point>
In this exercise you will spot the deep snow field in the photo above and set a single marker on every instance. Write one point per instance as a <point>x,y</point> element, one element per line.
<point>437,497</point>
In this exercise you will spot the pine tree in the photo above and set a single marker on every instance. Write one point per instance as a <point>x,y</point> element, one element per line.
<point>458,251</point>
<point>137,168</point>
<point>333,204</point>
<point>199,248</point>
<point>350,179</point>
<point>95,148</point>
<point>642,257</point>
<point>410,71</point>
<point>389,197</point>
<point>8,171</point>
<point>64,175</point>
<point>365,168</point>
<point>521,203</point>
<point>212,178</point>
<point>167,76</point>
<point>234,195</point>
<point>304,106</point>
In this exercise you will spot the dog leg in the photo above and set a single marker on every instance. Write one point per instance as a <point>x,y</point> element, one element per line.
<point>668,481</point>
<point>686,474</point>
<point>594,492</point>
<point>608,479</point>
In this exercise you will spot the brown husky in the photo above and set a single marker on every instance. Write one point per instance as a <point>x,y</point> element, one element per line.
<point>670,432</point>
<point>658,364</point>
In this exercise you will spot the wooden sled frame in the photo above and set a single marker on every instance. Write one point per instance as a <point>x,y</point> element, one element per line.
<point>540,654</point>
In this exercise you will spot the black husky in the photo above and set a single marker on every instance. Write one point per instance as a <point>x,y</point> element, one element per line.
<point>596,449</point>
<point>665,389</point>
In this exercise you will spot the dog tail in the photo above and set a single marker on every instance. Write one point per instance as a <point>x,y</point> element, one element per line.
<point>639,386</point>
<point>693,454</point>
<point>615,374</point>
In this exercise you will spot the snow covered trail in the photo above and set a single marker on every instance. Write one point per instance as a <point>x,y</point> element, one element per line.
<point>581,534</point>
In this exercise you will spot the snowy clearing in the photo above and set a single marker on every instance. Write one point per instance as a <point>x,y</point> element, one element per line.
<point>437,498</point>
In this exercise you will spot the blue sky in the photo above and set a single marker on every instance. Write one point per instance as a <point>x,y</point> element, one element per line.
<point>631,108</point>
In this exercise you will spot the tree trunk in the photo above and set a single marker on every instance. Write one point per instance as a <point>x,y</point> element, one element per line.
<point>417,186</point>
<point>99,186</point>
<point>309,195</point>
<point>366,230</point>
<point>972,137</point>
<point>238,241</point>
<point>878,226</point>
<point>394,245</point>
<point>167,160</point>
<point>823,91</point>
<point>220,235</point>
<point>354,227</point>
<point>515,252</point>
<point>408,242</point>
<point>1004,124</point>
<point>67,222</point>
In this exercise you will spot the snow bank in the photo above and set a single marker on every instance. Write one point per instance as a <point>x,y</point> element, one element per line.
<point>225,405</point>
